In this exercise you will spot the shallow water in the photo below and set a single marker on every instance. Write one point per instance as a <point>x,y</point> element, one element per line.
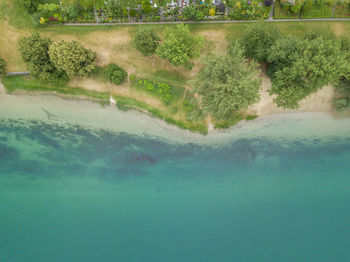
<point>72,193</point>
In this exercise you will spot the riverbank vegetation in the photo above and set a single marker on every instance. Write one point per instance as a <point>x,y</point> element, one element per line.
<point>187,75</point>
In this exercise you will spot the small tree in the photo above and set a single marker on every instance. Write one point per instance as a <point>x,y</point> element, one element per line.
<point>115,74</point>
<point>3,65</point>
<point>229,83</point>
<point>34,51</point>
<point>72,58</point>
<point>258,39</point>
<point>179,46</point>
<point>146,40</point>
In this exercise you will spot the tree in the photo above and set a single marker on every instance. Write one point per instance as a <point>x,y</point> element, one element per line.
<point>115,74</point>
<point>179,46</point>
<point>229,83</point>
<point>305,69</point>
<point>3,65</point>
<point>34,51</point>
<point>72,58</point>
<point>258,39</point>
<point>146,40</point>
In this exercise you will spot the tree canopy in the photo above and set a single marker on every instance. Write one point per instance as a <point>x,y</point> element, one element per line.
<point>115,74</point>
<point>179,46</point>
<point>34,51</point>
<point>303,67</point>
<point>146,40</point>
<point>72,58</point>
<point>258,39</point>
<point>228,83</point>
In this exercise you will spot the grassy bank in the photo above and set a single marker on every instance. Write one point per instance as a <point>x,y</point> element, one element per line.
<point>15,84</point>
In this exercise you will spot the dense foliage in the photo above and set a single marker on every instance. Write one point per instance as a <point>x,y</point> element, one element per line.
<point>115,74</point>
<point>342,101</point>
<point>3,65</point>
<point>179,45</point>
<point>302,67</point>
<point>229,83</point>
<point>34,51</point>
<point>146,40</point>
<point>248,10</point>
<point>258,39</point>
<point>72,58</point>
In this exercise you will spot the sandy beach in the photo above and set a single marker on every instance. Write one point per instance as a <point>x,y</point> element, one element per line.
<point>314,119</point>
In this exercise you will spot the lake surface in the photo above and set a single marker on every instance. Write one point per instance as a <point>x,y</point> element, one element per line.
<point>74,193</point>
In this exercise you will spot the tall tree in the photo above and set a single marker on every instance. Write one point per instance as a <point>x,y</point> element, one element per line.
<point>72,58</point>
<point>304,68</point>
<point>258,39</point>
<point>34,51</point>
<point>146,40</point>
<point>229,83</point>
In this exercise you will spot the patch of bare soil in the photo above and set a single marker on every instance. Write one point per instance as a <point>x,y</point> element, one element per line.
<point>337,28</point>
<point>320,101</point>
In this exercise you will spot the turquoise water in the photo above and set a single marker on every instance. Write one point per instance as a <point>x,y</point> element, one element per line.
<point>68,193</point>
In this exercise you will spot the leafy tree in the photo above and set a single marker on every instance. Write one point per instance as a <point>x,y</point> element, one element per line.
<point>304,69</point>
<point>146,6</point>
<point>72,58</point>
<point>34,51</point>
<point>229,83</point>
<point>179,46</point>
<point>3,65</point>
<point>146,40</point>
<point>115,74</point>
<point>258,39</point>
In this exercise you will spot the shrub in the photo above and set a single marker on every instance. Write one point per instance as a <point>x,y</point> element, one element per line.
<point>146,40</point>
<point>115,74</point>
<point>3,65</point>
<point>228,83</point>
<point>179,46</point>
<point>258,39</point>
<point>34,51</point>
<point>31,5</point>
<point>342,102</point>
<point>221,7</point>
<point>72,58</point>
<point>114,8</point>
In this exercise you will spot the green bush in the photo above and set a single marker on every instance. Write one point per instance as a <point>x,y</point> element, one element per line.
<point>115,74</point>
<point>342,101</point>
<point>73,58</point>
<point>2,67</point>
<point>179,45</point>
<point>146,40</point>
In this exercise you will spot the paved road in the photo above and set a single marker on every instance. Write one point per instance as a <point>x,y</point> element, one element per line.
<point>203,22</point>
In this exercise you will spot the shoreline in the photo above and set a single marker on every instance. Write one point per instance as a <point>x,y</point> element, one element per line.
<point>62,111</point>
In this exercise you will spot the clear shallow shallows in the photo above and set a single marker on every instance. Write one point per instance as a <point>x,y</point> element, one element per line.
<point>69,193</point>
